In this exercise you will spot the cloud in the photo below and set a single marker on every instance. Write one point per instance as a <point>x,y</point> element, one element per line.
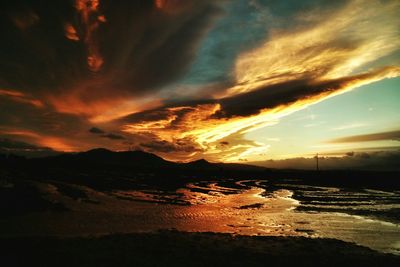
<point>349,126</point>
<point>95,130</point>
<point>208,122</point>
<point>138,50</point>
<point>324,45</point>
<point>90,18</point>
<point>392,135</point>
<point>25,19</point>
<point>163,146</point>
<point>376,160</point>
<point>130,67</point>
<point>20,97</point>
<point>113,136</point>
<point>101,133</point>
<point>9,146</point>
<point>286,93</point>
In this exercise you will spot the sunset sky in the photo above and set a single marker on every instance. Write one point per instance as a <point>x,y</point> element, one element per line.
<point>224,80</point>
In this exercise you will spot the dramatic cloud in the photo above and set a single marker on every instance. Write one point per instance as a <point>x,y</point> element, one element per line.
<point>219,120</point>
<point>378,160</point>
<point>393,135</point>
<point>168,147</point>
<point>95,130</point>
<point>90,20</point>
<point>20,97</point>
<point>329,44</point>
<point>133,48</point>
<point>183,79</point>
<point>113,136</point>
<point>8,146</point>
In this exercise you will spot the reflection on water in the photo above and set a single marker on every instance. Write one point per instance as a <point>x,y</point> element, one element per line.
<point>256,208</point>
<point>250,207</point>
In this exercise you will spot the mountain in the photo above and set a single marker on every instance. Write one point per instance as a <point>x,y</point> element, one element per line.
<point>102,157</point>
<point>103,167</point>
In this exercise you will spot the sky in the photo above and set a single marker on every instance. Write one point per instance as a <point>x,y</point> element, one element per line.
<point>226,80</point>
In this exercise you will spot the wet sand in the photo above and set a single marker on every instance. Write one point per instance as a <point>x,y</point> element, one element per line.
<point>254,222</point>
<point>244,207</point>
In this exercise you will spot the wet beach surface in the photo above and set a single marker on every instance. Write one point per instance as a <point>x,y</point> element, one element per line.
<point>255,207</point>
<point>134,209</point>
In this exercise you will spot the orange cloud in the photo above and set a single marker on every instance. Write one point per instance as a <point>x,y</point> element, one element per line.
<point>55,143</point>
<point>91,19</point>
<point>95,103</point>
<point>172,6</point>
<point>18,132</point>
<point>21,97</point>
<point>206,130</point>
<point>160,3</point>
<point>71,33</point>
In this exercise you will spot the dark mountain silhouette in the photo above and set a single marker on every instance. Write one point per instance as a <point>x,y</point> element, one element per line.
<point>107,170</point>
<point>107,157</point>
<point>101,158</point>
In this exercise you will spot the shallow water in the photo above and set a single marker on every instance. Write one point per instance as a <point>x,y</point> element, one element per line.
<point>252,208</point>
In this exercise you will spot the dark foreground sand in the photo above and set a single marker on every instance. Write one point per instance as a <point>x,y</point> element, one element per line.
<point>172,248</point>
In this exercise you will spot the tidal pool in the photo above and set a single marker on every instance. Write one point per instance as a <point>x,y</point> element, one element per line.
<point>248,207</point>
<point>251,207</point>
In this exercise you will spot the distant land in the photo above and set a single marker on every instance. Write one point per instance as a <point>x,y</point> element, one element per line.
<point>109,167</point>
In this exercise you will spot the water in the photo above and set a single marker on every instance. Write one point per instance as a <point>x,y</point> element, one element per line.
<point>367,217</point>
<point>250,207</point>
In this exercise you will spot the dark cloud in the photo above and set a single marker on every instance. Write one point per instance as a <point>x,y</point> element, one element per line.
<point>53,90</point>
<point>392,135</point>
<point>157,47</point>
<point>285,93</point>
<point>113,136</point>
<point>160,113</point>
<point>251,103</point>
<point>163,146</point>
<point>15,147</point>
<point>8,144</point>
<point>96,130</point>
<point>101,133</point>
<point>50,95</point>
<point>376,160</point>
<point>19,115</point>
<point>143,48</point>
